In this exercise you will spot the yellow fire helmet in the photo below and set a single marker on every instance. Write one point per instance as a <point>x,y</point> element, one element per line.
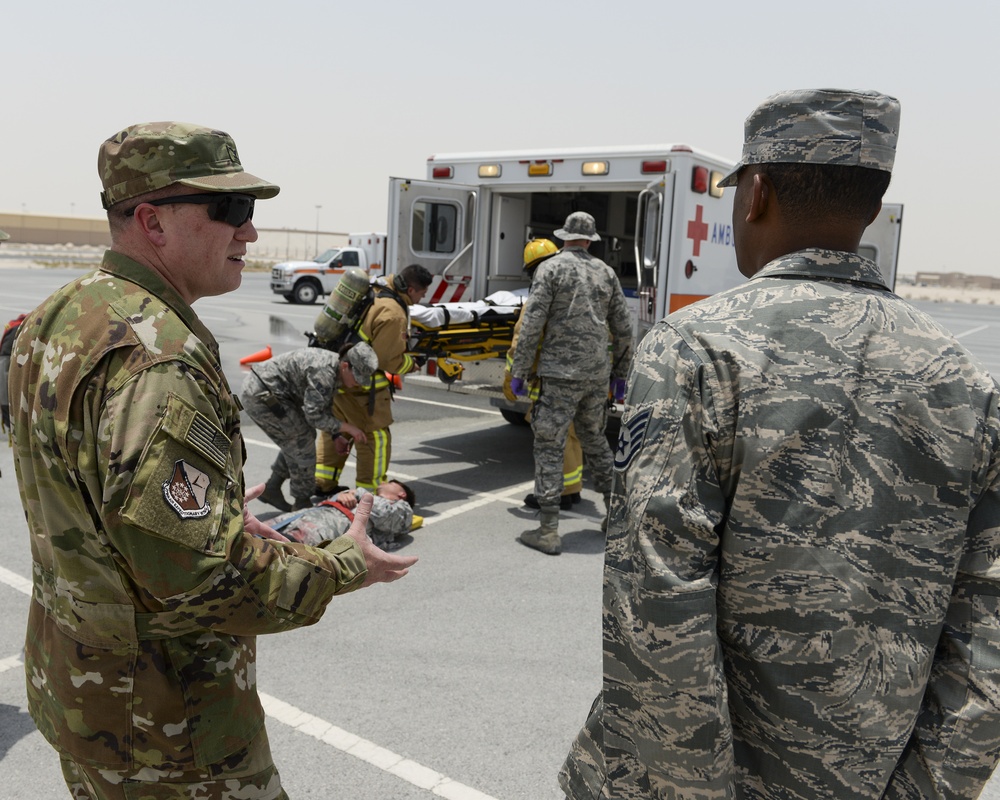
<point>536,251</point>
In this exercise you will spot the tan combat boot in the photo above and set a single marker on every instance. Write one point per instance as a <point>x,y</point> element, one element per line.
<point>546,537</point>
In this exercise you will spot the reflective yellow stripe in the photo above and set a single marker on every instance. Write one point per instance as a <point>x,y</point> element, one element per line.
<point>325,472</point>
<point>576,476</point>
<point>379,441</point>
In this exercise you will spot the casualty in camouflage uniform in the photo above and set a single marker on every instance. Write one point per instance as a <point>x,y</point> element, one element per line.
<point>391,517</point>
<point>575,300</point>
<point>801,588</point>
<point>291,397</point>
<point>151,579</point>
<point>386,328</point>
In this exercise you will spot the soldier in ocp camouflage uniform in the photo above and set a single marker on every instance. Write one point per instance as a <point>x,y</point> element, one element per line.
<point>151,578</point>
<point>575,300</point>
<point>291,397</point>
<point>802,588</point>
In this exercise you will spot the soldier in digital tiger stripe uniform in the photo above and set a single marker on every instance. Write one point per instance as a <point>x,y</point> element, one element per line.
<point>801,585</point>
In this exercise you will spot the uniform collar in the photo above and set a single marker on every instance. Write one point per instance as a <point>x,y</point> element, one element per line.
<point>128,269</point>
<point>824,264</point>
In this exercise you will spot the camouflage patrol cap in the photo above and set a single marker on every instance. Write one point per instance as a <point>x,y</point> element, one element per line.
<point>578,225</point>
<point>363,362</point>
<point>4,236</point>
<point>152,155</point>
<point>821,126</point>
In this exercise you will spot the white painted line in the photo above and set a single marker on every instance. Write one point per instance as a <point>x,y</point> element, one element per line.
<point>13,662</point>
<point>971,331</point>
<point>15,581</point>
<point>410,771</point>
<point>448,405</point>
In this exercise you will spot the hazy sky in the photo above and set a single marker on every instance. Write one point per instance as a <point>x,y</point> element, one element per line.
<point>328,99</point>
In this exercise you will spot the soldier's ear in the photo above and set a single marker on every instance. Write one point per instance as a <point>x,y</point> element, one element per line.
<point>761,196</point>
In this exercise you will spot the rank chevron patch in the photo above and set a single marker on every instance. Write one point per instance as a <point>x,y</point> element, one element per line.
<point>633,432</point>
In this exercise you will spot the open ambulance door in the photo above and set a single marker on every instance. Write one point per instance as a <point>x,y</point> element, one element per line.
<point>652,243</point>
<point>880,241</point>
<point>432,224</point>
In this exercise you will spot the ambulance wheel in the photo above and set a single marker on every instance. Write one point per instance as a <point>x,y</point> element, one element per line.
<point>290,298</point>
<point>513,417</point>
<point>305,292</point>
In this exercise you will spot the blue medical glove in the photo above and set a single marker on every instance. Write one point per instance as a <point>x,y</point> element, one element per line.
<point>519,387</point>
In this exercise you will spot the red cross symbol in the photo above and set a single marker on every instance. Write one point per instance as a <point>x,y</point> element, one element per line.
<point>697,230</point>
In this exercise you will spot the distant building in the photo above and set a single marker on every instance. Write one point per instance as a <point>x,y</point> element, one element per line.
<point>40,229</point>
<point>957,280</point>
<point>272,245</point>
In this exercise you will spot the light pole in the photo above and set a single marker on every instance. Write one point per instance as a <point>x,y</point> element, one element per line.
<point>317,229</point>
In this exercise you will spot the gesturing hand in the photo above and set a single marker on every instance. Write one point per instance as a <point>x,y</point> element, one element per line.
<point>383,567</point>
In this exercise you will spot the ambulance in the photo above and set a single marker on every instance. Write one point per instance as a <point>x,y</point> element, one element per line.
<point>665,224</point>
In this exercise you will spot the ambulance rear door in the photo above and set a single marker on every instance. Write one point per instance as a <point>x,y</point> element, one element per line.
<point>432,224</point>
<point>652,244</point>
<point>702,257</point>
<point>880,241</point>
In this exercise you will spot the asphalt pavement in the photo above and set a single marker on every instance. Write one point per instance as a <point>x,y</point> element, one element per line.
<point>469,678</point>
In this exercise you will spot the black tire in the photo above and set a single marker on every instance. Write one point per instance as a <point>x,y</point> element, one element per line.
<point>289,298</point>
<point>306,292</point>
<point>513,417</point>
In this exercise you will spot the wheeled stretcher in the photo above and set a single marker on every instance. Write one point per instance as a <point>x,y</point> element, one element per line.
<point>451,333</point>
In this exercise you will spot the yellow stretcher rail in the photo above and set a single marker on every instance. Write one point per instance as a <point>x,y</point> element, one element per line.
<point>485,337</point>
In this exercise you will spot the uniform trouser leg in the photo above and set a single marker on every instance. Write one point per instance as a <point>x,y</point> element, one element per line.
<point>247,774</point>
<point>572,463</point>
<point>550,421</point>
<point>373,459</point>
<point>329,463</point>
<point>287,427</point>
<point>590,421</point>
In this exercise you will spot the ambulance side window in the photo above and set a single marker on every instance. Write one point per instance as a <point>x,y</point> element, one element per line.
<point>434,227</point>
<point>351,258</point>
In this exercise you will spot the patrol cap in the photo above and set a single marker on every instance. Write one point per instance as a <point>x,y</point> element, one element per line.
<point>578,225</point>
<point>152,155</point>
<point>4,236</point>
<point>363,362</point>
<point>821,126</point>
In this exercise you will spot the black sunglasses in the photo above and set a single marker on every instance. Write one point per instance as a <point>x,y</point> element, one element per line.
<point>233,209</point>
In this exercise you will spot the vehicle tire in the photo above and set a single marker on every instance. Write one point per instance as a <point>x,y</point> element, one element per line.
<point>306,292</point>
<point>513,417</point>
<point>290,298</point>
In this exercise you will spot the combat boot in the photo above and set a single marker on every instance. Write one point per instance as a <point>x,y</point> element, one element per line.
<point>546,537</point>
<point>272,494</point>
<point>565,502</point>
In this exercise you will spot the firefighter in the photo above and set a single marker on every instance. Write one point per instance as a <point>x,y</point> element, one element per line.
<point>535,252</point>
<point>386,329</point>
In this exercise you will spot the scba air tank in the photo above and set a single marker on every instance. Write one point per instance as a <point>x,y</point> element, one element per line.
<point>342,305</point>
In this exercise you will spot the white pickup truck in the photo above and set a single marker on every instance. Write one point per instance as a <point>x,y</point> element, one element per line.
<point>306,281</point>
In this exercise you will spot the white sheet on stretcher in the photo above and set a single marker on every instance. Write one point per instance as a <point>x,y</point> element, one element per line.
<point>442,314</point>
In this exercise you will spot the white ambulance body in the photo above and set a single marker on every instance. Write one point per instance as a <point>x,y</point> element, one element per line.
<point>665,225</point>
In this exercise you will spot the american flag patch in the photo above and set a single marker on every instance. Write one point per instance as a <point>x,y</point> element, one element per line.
<point>208,440</point>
